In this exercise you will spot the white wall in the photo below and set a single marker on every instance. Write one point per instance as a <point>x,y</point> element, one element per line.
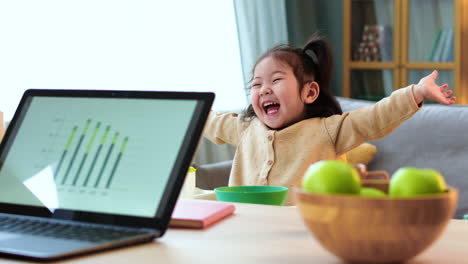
<point>120,44</point>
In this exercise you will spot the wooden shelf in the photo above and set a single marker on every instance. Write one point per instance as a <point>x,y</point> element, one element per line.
<point>372,65</point>
<point>463,91</point>
<point>358,13</point>
<point>429,66</point>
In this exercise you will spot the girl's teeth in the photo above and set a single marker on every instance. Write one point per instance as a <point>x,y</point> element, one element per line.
<point>272,111</point>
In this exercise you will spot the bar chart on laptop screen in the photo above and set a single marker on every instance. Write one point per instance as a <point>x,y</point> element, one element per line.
<point>91,156</point>
<point>119,151</point>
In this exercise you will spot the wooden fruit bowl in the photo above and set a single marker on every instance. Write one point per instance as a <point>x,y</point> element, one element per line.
<point>376,230</point>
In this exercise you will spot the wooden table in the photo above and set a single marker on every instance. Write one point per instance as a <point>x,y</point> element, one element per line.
<point>260,234</point>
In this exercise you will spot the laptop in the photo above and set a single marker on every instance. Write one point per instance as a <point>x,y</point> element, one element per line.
<point>83,170</point>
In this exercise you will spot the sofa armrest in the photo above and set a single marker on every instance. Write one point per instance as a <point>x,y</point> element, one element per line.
<point>210,176</point>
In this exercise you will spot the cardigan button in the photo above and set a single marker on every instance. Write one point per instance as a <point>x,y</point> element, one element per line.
<point>270,162</point>
<point>270,137</point>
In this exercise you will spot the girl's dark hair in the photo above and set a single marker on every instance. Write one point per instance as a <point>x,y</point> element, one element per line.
<point>308,66</point>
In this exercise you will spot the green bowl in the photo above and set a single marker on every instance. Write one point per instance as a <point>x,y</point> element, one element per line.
<point>272,195</point>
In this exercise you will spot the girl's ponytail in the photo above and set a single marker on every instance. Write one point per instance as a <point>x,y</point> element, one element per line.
<point>320,62</point>
<point>319,52</point>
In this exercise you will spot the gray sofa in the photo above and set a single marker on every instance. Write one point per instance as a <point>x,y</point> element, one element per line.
<point>436,137</point>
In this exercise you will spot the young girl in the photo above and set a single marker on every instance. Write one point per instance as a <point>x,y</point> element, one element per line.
<point>294,121</point>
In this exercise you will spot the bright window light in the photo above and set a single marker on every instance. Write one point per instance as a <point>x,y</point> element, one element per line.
<point>178,45</point>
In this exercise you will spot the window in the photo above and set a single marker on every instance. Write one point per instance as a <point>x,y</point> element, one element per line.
<point>109,44</point>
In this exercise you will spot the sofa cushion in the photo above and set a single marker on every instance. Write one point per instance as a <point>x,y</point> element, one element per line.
<point>435,137</point>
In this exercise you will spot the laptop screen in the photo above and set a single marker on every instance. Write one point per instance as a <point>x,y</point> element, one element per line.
<point>106,155</point>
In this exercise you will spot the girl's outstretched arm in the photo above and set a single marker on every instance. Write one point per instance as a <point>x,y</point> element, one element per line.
<point>428,89</point>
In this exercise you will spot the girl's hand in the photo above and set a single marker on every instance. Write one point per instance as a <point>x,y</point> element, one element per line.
<point>428,89</point>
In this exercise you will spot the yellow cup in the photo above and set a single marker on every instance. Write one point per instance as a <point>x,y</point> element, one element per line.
<point>188,189</point>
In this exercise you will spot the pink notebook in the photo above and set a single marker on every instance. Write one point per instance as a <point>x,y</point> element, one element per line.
<point>199,213</point>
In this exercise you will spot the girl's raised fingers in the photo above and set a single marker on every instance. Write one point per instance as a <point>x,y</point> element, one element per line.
<point>443,87</point>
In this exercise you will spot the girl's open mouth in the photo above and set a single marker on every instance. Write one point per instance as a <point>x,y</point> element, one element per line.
<point>271,108</point>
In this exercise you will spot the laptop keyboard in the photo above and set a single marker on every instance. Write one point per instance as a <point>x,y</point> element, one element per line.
<point>82,232</point>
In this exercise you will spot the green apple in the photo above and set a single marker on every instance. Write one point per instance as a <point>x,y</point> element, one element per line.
<point>371,192</point>
<point>331,176</point>
<point>410,182</point>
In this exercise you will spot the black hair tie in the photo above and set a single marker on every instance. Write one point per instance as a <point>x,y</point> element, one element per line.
<point>311,54</point>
